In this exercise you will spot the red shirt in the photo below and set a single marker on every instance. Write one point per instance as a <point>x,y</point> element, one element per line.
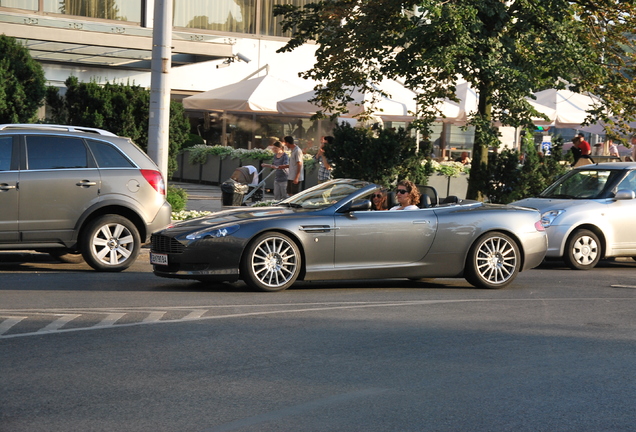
<point>585,148</point>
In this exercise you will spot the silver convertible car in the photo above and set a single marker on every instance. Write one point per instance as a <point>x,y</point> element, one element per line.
<point>330,232</point>
<point>589,214</point>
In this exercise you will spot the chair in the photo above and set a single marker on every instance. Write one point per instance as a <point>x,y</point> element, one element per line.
<point>430,192</point>
<point>391,200</point>
<point>425,201</point>
<point>451,199</point>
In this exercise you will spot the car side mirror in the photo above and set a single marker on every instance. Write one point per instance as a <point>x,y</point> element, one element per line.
<point>625,194</point>
<point>355,205</point>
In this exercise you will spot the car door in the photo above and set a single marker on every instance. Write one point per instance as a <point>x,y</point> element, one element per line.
<point>8,190</point>
<point>621,216</point>
<point>383,238</point>
<point>59,183</point>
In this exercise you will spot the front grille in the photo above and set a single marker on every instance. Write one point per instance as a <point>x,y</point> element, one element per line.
<point>165,244</point>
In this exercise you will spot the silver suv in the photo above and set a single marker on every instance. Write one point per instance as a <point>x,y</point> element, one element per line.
<point>78,192</point>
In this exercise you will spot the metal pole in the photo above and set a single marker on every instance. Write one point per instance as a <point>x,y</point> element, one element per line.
<point>159,124</point>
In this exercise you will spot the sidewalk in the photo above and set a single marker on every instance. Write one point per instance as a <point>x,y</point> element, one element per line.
<point>205,197</point>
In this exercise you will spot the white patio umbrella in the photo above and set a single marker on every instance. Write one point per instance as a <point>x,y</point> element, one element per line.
<point>468,102</point>
<point>253,95</point>
<point>564,108</point>
<point>399,107</point>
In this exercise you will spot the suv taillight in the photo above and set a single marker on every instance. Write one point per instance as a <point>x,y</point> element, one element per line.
<point>155,179</point>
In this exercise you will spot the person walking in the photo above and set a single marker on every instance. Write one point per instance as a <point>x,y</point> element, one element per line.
<point>280,178</point>
<point>324,168</point>
<point>295,175</point>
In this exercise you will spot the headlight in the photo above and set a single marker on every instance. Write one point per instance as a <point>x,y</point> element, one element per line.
<point>214,232</point>
<point>548,217</point>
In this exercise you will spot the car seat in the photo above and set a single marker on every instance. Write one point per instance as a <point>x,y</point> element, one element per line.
<point>430,192</point>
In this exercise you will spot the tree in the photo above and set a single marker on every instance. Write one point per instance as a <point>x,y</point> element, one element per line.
<point>381,158</point>
<point>121,109</point>
<point>505,49</point>
<point>22,83</point>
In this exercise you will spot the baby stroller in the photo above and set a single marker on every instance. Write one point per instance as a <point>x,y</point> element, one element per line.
<point>243,185</point>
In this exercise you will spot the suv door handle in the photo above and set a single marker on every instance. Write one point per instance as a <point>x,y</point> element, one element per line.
<point>5,186</point>
<point>86,183</point>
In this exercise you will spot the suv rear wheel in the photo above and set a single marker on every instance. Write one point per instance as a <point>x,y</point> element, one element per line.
<point>110,243</point>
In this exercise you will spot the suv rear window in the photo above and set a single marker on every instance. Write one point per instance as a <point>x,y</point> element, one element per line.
<point>51,152</point>
<point>6,147</point>
<point>108,156</point>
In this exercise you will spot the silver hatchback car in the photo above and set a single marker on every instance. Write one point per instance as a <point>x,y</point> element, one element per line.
<point>78,192</point>
<point>589,214</point>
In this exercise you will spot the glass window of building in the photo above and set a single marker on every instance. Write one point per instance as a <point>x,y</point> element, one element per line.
<point>220,15</point>
<point>20,4</point>
<point>121,10</point>
<point>270,25</point>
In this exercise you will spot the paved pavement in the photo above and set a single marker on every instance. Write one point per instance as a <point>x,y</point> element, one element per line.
<point>205,197</point>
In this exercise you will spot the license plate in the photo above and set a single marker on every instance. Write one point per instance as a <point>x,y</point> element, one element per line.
<point>159,259</point>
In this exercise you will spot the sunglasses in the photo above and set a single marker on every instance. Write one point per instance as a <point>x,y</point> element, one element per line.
<point>402,191</point>
<point>377,195</point>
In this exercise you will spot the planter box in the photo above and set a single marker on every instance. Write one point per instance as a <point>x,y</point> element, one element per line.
<point>178,173</point>
<point>440,183</point>
<point>211,170</point>
<point>458,186</point>
<point>228,165</point>
<point>311,178</point>
<point>190,172</point>
<point>446,186</point>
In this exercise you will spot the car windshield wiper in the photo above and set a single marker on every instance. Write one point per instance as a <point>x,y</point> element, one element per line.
<point>562,196</point>
<point>292,205</point>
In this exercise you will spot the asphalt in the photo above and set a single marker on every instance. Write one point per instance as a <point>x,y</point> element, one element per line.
<point>205,197</point>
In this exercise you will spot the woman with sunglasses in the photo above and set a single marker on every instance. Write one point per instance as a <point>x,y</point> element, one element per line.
<point>407,195</point>
<point>379,200</point>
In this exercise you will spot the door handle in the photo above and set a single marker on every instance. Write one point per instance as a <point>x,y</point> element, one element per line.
<point>86,183</point>
<point>5,186</point>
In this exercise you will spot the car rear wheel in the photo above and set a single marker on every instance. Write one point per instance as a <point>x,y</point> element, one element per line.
<point>583,250</point>
<point>110,243</point>
<point>494,261</point>
<point>272,262</point>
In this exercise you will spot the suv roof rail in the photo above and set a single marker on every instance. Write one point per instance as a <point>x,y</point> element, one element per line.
<point>56,126</point>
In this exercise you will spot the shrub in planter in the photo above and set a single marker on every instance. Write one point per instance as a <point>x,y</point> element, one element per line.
<point>177,197</point>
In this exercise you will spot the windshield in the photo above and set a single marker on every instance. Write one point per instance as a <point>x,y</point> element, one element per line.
<point>324,194</point>
<point>582,184</point>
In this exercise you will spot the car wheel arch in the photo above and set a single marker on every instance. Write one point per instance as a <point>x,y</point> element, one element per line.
<point>126,212</point>
<point>590,227</point>
<point>289,234</point>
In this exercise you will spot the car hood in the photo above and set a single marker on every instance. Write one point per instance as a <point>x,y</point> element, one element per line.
<point>546,204</point>
<point>231,216</point>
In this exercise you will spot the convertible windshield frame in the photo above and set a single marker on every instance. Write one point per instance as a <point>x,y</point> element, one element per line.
<point>584,184</point>
<point>326,194</point>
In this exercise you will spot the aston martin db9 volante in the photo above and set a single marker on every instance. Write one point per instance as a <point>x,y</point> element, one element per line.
<point>589,214</point>
<point>330,232</point>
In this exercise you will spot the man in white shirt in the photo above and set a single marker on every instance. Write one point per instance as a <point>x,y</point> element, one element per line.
<point>296,172</point>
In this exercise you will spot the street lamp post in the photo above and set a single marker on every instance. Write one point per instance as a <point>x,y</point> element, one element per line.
<point>159,124</point>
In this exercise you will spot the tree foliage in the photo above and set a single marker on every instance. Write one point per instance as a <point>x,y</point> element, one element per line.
<point>121,109</point>
<point>383,156</point>
<point>506,50</point>
<point>22,83</point>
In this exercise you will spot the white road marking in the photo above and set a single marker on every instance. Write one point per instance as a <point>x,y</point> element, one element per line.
<point>195,314</point>
<point>154,317</point>
<point>9,322</point>
<point>59,323</point>
<point>110,319</point>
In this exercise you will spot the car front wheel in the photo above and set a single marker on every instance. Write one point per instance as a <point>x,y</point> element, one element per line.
<point>583,250</point>
<point>493,261</point>
<point>110,243</point>
<point>272,262</point>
